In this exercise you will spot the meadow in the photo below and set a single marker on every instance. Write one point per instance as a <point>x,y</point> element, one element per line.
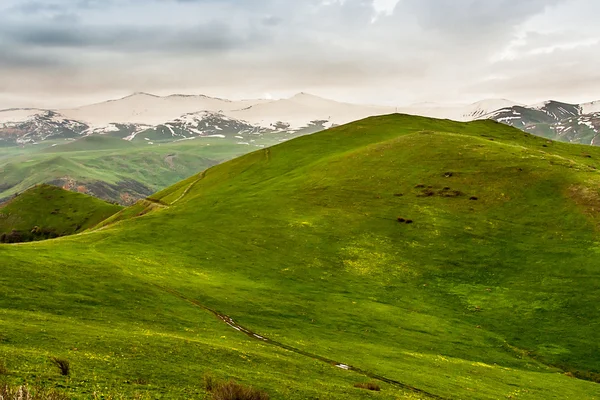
<point>294,269</point>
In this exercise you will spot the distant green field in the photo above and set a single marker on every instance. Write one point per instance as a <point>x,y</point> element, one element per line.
<point>490,293</point>
<point>110,168</point>
<point>113,169</point>
<point>47,211</point>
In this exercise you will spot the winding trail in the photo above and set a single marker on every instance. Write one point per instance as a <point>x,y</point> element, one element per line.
<point>232,323</point>
<point>187,190</point>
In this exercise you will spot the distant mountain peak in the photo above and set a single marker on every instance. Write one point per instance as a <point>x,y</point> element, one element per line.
<point>140,94</point>
<point>495,101</point>
<point>547,103</point>
<point>191,96</point>
<point>305,95</point>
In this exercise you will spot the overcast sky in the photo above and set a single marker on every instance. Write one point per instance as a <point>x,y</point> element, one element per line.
<point>56,53</point>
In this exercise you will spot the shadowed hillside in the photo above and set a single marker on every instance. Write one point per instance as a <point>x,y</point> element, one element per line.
<point>45,212</point>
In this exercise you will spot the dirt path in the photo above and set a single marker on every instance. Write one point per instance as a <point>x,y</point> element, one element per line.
<point>229,321</point>
<point>187,190</point>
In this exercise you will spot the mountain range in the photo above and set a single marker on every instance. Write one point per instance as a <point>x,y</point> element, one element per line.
<point>154,119</point>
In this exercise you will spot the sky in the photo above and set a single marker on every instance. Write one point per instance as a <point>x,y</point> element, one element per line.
<point>61,53</point>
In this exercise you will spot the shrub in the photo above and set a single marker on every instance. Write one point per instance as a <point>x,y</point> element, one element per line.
<point>584,375</point>
<point>64,366</point>
<point>209,382</point>
<point>13,237</point>
<point>3,369</point>
<point>231,390</point>
<point>234,391</point>
<point>368,386</point>
<point>25,393</point>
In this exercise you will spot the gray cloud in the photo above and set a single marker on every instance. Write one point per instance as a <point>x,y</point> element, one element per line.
<point>438,50</point>
<point>469,17</point>
<point>212,35</point>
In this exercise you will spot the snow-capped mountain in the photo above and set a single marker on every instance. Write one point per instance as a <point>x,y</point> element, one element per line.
<point>300,110</point>
<point>554,120</point>
<point>460,112</point>
<point>148,109</point>
<point>151,118</point>
<point>30,125</point>
<point>178,117</point>
<point>198,124</point>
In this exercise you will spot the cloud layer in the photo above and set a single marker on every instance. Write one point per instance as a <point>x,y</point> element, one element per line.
<point>59,52</point>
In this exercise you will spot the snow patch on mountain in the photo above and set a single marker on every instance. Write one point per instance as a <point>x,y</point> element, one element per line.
<point>458,112</point>
<point>17,115</point>
<point>300,110</point>
<point>143,108</point>
<point>589,108</point>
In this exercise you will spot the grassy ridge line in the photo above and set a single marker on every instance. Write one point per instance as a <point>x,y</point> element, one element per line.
<point>139,209</point>
<point>190,187</point>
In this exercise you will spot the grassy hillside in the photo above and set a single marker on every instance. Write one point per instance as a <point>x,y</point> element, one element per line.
<point>91,143</point>
<point>113,169</point>
<point>109,168</point>
<point>46,211</point>
<point>306,250</point>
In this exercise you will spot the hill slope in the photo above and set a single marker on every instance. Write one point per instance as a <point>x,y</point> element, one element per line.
<point>489,293</point>
<point>109,168</point>
<point>46,211</point>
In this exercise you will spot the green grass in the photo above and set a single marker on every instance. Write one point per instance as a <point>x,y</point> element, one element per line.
<point>92,143</point>
<point>108,167</point>
<point>477,299</point>
<point>53,210</point>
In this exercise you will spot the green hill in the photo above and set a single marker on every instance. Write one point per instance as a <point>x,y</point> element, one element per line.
<point>92,143</point>
<point>116,170</point>
<point>109,168</point>
<point>46,211</point>
<point>438,259</point>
